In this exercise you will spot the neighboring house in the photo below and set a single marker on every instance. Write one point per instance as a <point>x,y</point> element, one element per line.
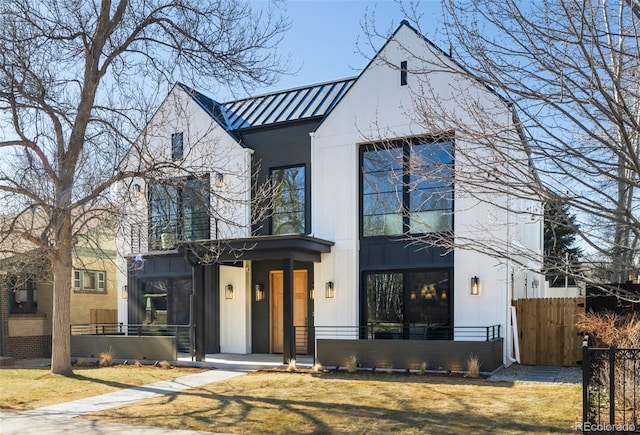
<point>332,252</point>
<point>27,298</point>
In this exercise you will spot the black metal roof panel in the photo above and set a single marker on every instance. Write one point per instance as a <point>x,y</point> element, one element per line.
<point>289,105</point>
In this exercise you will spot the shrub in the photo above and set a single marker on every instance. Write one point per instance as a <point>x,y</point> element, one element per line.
<point>291,367</point>
<point>164,365</point>
<point>620,331</point>
<point>611,329</point>
<point>473,366</point>
<point>423,367</point>
<point>106,358</point>
<point>137,364</point>
<point>317,367</point>
<point>351,363</point>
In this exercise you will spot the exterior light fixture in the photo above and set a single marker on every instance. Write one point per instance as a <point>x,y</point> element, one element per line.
<point>329,290</point>
<point>475,286</point>
<point>125,292</point>
<point>312,293</point>
<point>219,180</point>
<point>228,291</point>
<point>259,292</point>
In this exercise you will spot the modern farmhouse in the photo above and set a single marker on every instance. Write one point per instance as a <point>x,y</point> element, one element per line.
<point>315,221</point>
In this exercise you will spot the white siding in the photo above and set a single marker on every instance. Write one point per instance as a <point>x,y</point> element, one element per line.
<point>378,107</point>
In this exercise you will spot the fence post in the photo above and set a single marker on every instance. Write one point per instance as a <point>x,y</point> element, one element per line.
<point>586,377</point>
<point>612,385</point>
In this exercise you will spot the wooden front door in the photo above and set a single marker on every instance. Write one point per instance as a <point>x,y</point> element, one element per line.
<point>276,285</point>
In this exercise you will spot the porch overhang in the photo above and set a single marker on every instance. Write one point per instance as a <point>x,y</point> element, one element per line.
<point>298,247</point>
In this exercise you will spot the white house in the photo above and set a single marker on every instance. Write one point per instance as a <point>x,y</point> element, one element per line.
<point>353,176</point>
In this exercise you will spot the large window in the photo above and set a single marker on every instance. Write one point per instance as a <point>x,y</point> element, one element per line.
<point>407,188</point>
<point>289,200</point>
<point>408,304</point>
<point>23,295</point>
<point>178,210</point>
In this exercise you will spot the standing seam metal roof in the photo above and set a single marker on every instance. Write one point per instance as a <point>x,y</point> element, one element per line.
<point>290,105</point>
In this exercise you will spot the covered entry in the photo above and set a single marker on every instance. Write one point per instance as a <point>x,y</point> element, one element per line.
<point>283,254</point>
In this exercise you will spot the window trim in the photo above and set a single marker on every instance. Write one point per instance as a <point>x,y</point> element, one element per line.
<point>79,281</point>
<point>406,210</point>
<point>403,73</point>
<point>29,285</point>
<point>305,229</point>
<point>177,223</point>
<point>177,146</point>
<point>406,298</point>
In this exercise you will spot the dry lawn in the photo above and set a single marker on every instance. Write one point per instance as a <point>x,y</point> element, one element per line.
<point>273,402</point>
<point>29,388</point>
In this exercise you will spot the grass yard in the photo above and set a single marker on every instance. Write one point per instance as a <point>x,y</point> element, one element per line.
<point>275,402</point>
<point>29,388</point>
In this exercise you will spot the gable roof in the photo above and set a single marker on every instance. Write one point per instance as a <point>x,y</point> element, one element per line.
<point>314,101</point>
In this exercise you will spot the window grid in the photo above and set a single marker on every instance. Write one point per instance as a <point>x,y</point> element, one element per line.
<point>407,188</point>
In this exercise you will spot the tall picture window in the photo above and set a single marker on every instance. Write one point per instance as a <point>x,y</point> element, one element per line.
<point>289,200</point>
<point>179,210</point>
<point>407,187</point>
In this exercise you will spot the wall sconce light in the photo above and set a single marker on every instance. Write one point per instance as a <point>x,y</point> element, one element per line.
<point>312,293</point>
<point>329,290</point>
<point>259,293</point>
<point>219,180</point>
<point>228,291</point>
<point>125,292</point>
<point>475,286</point>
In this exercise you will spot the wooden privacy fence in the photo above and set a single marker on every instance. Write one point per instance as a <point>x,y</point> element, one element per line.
<point>547,331</point>
<point>103,316</point>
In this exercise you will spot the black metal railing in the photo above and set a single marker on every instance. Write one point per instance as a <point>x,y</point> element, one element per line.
<point>399,332</point>
<point>183,333</point>
<point>610,389</point>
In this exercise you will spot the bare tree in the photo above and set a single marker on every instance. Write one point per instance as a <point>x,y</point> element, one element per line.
<point>568,73</point>
<point>78,81</point>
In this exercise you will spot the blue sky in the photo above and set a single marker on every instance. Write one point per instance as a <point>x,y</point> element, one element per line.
<point>322,43</point>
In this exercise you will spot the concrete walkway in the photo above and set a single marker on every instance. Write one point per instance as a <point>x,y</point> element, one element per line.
<point>60,418</point>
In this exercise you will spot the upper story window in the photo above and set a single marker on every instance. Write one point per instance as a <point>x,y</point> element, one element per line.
<point>23,295</point>
<point>289,200</point>
<point>89,280</point>
<point>178,210</point>
<point>403,73</point>
<point>407,188</point>
<point>177,146</point>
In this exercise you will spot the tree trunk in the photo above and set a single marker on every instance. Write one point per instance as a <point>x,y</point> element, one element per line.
<point>62,269</point>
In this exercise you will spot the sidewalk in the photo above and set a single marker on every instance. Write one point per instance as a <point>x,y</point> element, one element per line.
<point>60,419</point>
